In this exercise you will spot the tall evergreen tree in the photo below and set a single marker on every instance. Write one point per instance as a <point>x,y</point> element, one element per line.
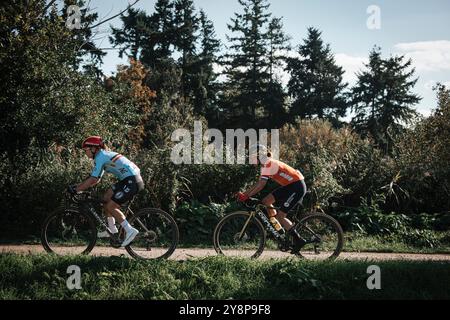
<point>275,96</point>
<point>186,25</point>
<point>161,37</point>
<point>131,36</point>
<point>316,84</point>
<point>206,87</point>
<point>246,65</point>
<point>382,99</point>
<point>278,45</point>
<point>147,38</point>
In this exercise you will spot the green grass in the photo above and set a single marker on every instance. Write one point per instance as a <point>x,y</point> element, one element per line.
<point>355,242</point>
<point>45,276</point>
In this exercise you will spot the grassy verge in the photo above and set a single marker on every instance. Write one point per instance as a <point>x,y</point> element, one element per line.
<point>45,276</point>
<point>356,243</point>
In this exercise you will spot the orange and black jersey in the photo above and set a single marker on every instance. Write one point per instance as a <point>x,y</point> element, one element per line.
<point>280,172</point>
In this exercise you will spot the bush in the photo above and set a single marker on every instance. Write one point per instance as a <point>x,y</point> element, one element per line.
<point>423,221</point>
<point>197,221</point>
<point>422,158</point>
<point>370,219</point>
<point>419,238</point>
<point>216,182</point>
<point>31,195</point>
<point>337,164</point>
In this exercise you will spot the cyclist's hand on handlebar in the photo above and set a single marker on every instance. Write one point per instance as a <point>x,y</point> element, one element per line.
<point>242,197</point>
<point>72,189</point>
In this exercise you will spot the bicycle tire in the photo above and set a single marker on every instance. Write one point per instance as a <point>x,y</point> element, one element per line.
<point>334,223</point>
<point>235,215</point>
<point>175,234</point>
<point>45,226</point>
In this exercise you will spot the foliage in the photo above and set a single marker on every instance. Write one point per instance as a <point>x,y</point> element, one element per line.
<point>421,155</point>
<point>382,98</point>
<point>250,64</point>
<point>220,278</point>
<point>316,84</point>
<point>196,221</point>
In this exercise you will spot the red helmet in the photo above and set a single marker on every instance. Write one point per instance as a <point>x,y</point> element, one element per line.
<point>93,141</point>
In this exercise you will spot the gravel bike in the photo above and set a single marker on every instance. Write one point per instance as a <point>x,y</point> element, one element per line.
<point>245,233</point>
<point>73,228</point>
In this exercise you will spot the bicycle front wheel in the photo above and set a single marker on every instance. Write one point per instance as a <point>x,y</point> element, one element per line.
<point>158,234</point>
<point>323,235</point>
<point>239,235</point>
<point>68,232</point>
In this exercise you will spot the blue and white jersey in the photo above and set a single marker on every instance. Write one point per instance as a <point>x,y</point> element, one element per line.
<point>115,163</point>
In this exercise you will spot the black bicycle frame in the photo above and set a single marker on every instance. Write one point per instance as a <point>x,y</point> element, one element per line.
<point>269,226</point>
<point>88,206</point>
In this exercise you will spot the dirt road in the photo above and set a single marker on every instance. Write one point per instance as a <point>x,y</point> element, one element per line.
<point>190,253</point>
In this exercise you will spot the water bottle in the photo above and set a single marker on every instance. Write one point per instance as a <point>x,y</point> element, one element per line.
<point>276,224</point>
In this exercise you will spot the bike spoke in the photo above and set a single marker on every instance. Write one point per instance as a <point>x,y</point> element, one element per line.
<point>238,235</point>
<point>68,232</point>
<point>158,234</point>
<point>323,237</point>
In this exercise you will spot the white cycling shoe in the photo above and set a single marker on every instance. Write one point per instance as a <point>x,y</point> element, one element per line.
<point>105,234</point>
<point>129,237</point>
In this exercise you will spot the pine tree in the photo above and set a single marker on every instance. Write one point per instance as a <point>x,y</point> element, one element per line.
<point>275,96</point>
<point>246,65</point>
<point>162,38</point>
<point>206,87</point>
<point>131,36</point>
<point>278,44</point>
<point>150,39</point>
<point>186,26</point>
<point>382,99</point>
<point>316,84</point>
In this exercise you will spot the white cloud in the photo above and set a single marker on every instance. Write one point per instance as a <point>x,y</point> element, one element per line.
<point>351,65</point>
<point>427,55</point>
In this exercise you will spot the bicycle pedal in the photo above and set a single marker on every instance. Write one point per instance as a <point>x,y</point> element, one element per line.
<point>115,243</point>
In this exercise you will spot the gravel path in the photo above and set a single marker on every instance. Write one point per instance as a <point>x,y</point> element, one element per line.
<point>189,253</point>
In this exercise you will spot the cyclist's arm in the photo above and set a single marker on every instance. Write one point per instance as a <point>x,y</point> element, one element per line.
<point>86,184</point>
<point>257,187</point>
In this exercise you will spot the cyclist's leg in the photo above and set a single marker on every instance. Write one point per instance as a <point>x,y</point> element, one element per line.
<point>268,201</point>
<point>107,197</point>
<point>120,193</point>
<point>114,210</point>
<point>287,197</point>
<point>285,222</point>
<point>123,192</point>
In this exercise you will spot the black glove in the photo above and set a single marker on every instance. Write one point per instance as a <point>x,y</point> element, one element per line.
<point>72,189</point>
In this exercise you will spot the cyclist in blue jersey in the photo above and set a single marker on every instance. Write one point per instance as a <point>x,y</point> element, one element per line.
<point>130,183</point>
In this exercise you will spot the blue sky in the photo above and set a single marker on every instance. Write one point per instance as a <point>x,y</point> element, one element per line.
<point>417,29</point>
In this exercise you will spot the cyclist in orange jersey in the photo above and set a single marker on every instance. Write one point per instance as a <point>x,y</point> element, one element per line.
<point>291,191</point>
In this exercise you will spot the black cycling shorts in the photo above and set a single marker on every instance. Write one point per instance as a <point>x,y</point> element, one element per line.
<point>126,189</point>
<point>288,196</point>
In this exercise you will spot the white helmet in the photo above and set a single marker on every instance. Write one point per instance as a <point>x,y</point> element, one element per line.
<point>257,151</point>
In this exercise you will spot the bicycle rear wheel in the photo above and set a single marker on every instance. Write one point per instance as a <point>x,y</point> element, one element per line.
<point>239,235</point>
<point>324,237</point>
<point>158,234</point>
<point>68,232</point>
